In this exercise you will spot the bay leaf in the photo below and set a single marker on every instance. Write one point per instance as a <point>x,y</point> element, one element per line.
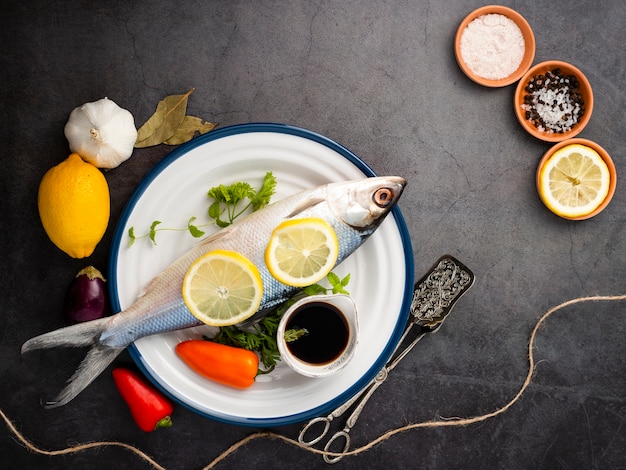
<point>163,123</point>
<point>188,128</point>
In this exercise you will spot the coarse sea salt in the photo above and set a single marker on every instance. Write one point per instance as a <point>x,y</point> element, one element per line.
<point>492,46</point>
<point>553,103</point>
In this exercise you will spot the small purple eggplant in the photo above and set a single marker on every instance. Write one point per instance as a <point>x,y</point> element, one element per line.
<point>86,298</point>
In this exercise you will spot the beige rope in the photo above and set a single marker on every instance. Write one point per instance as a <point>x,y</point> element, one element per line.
<point>77,448</point>
<point>443,422</point>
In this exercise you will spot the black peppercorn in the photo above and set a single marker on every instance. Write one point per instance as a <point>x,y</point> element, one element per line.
<point>553,103</point>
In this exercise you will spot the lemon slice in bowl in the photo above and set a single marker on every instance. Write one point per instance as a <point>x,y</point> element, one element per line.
<point>301,252</point>
<point>574,181</point>
<point>222,288</point>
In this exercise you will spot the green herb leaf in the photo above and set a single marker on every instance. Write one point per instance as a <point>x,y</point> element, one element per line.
<point>292,334</point>
<point>214,210</point>
<point>153,231</point>
<point>187,130</point>
<point>218,193</point>
<point>337,284</point>
<point>164,122</point>
<point>131,236</point>
<point>333,279</point>
<point>193,229</point>
<point>239,191</point>
<point>230,200</point>
<point>263,196</point>
<point>314,289</point>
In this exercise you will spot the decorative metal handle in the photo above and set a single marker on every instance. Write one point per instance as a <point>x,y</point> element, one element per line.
<point>436,293</point>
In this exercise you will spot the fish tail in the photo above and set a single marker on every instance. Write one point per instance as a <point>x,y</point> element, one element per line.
<point>74,336</point>
<point>80,335</point>
<point>97,359</point>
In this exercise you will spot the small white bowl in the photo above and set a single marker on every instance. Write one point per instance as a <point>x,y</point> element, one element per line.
<point>345,308</point>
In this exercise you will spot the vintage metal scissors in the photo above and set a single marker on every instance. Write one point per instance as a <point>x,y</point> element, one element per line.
<point>433,298</point>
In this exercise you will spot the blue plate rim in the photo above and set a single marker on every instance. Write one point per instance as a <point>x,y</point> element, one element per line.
<point>236,129</point>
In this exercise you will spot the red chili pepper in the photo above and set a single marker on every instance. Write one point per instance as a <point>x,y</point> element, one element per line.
<point>149,407</point>
<point>228,365</point>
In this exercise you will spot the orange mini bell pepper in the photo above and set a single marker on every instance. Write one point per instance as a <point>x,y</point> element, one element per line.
<point>228,365</point>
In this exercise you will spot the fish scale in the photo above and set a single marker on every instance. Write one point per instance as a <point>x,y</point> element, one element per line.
<point>354,209</point>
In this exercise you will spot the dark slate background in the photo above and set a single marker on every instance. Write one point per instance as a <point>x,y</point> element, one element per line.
<point>380,78</point>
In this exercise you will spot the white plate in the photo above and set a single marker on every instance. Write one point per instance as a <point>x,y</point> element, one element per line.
<point>381,270</point>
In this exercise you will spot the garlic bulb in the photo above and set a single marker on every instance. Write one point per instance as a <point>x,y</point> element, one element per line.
<point>102,133</point>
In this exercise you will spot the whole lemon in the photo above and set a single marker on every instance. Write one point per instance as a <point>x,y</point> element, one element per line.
<point>74,206</point>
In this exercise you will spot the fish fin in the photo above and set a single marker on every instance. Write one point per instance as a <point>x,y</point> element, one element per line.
<point>74,336</point>
<point>98,358</point>
<point>79,335</point>
<point>314,199</point>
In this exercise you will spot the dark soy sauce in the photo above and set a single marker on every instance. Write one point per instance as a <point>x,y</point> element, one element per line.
<point>327,335</point>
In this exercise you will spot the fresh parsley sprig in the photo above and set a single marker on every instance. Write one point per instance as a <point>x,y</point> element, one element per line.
<point>236,198</point>
<point>194,230</point>
<point>233,199</point>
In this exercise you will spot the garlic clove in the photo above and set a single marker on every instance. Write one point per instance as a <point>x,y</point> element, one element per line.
<point>102,133</point>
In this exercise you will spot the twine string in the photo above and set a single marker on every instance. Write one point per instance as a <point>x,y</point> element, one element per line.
<point>441,422</point>
<point>77,448</point>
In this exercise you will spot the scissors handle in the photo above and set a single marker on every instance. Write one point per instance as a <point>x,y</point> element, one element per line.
<point>352,419</point>
<point>339,434</point>
<point>321,419</point>
<point>327,420</point>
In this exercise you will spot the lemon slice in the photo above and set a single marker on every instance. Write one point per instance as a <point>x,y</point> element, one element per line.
<point>301,252</point>
<point>574,181</point>
<point>222,288</point>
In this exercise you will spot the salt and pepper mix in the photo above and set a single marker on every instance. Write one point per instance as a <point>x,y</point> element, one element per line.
<point>553,103</point>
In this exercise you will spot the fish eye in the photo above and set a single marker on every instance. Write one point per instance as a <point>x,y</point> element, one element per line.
<point>383,197</point>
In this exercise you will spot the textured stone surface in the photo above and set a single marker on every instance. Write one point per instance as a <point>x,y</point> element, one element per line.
<point>380,78</point>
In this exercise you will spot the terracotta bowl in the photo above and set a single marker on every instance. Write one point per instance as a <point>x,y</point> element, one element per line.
<point>585,91</point>
<point>527,33</point>
<point>605,156</point>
